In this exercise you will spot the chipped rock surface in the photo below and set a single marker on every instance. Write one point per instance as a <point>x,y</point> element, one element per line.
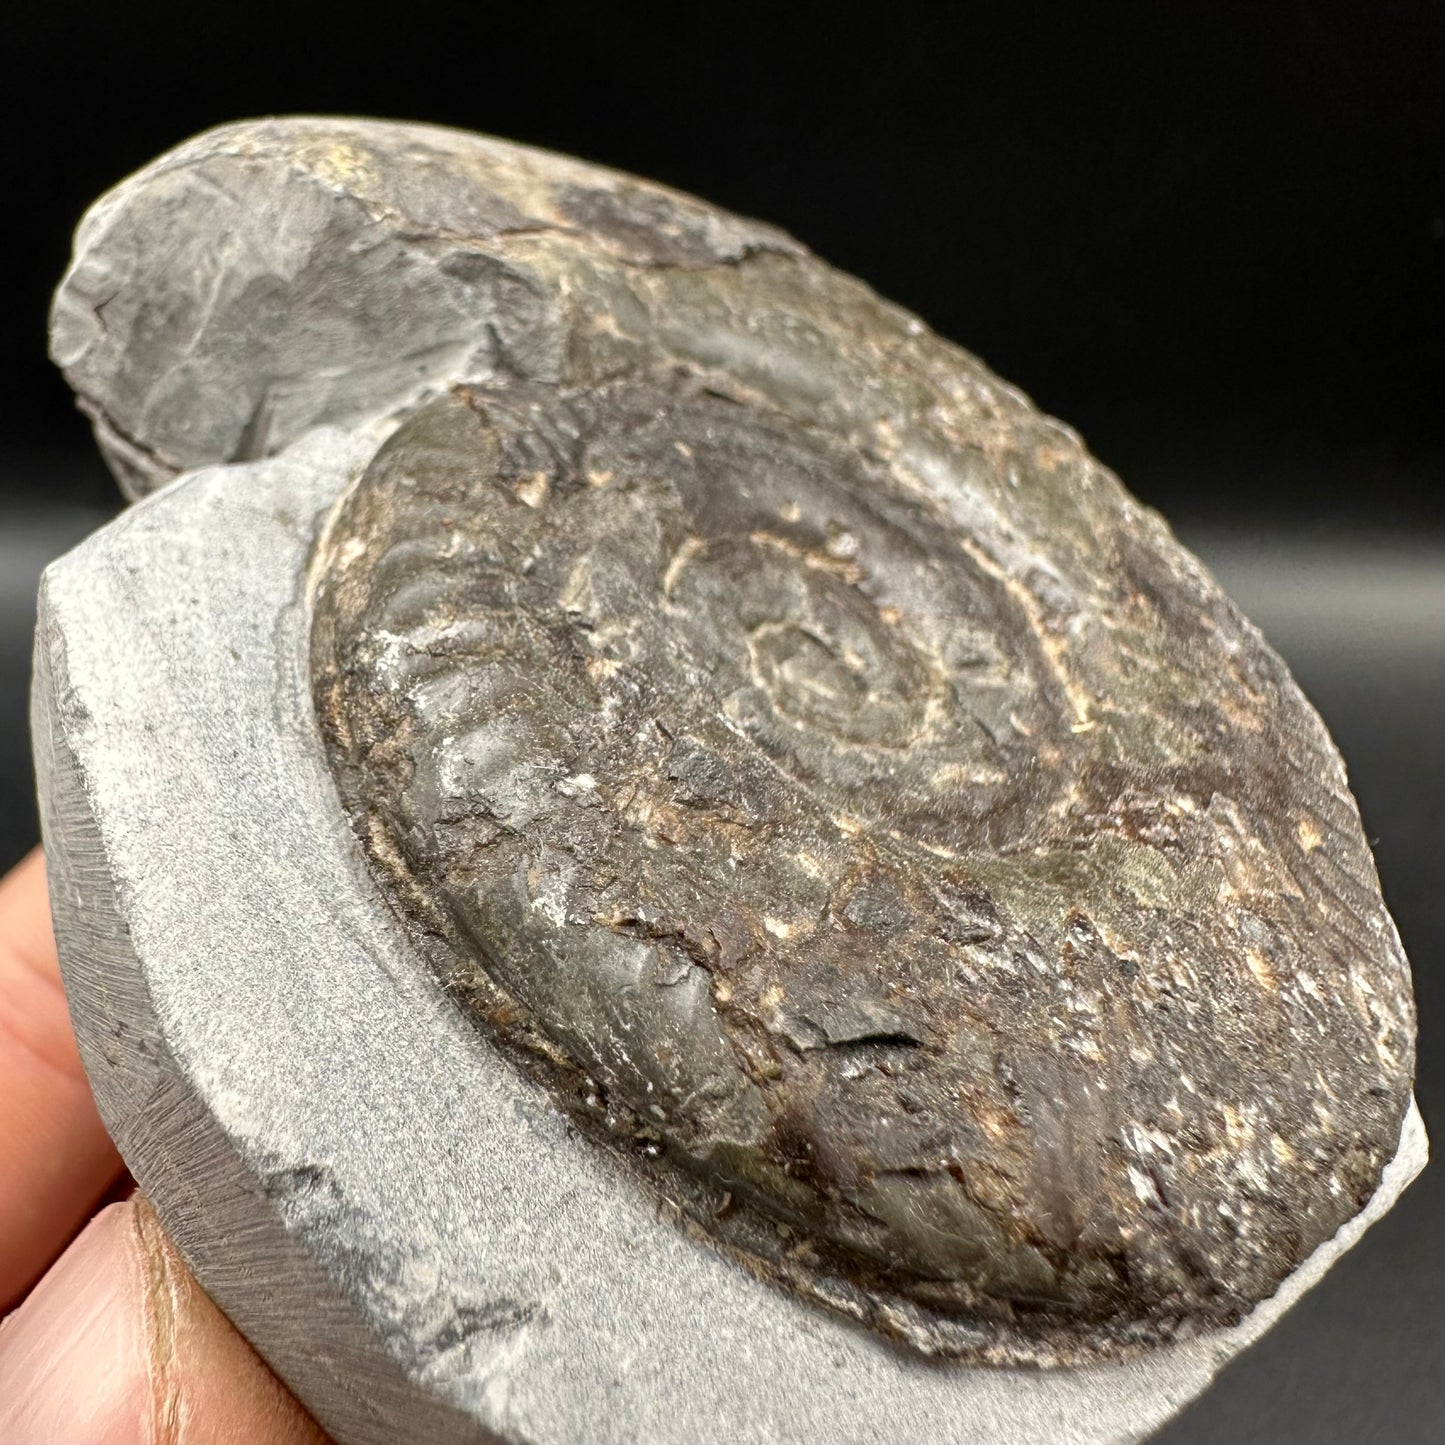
<point>789,745</point>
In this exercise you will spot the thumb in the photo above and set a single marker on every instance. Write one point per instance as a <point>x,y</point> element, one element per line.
<point>118,1345</point>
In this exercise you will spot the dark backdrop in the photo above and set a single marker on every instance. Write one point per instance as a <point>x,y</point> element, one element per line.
<point>1210,236</point>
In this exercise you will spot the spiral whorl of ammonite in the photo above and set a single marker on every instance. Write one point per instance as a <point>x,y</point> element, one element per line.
<point>857,811</point>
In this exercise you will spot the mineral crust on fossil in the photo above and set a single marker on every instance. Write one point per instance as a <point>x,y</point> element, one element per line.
<point>787,743</point>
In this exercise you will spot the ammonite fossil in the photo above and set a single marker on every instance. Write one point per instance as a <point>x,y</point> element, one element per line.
<point>790,746</point>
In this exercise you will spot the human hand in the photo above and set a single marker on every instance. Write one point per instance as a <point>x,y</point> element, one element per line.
<point>114,1343</point>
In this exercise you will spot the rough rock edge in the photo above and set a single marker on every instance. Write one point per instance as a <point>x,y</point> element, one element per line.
<point>138,434</point>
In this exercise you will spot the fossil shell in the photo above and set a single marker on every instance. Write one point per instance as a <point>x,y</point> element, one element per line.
<point>801,755</point>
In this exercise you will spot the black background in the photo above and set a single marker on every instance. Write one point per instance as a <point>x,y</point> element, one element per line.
<point>1209,236</point>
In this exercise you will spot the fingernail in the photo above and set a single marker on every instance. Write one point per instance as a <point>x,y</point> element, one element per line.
<point>73,1358</point>
<point>209,1385</point>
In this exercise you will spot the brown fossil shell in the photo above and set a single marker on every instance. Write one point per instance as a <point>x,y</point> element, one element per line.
<point>856,807</point>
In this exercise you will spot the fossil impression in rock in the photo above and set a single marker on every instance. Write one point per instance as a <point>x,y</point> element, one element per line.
<point>788,747</point>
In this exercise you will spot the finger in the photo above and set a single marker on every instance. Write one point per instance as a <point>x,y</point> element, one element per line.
<point>58,1160</point>
<point>118,1345</point>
